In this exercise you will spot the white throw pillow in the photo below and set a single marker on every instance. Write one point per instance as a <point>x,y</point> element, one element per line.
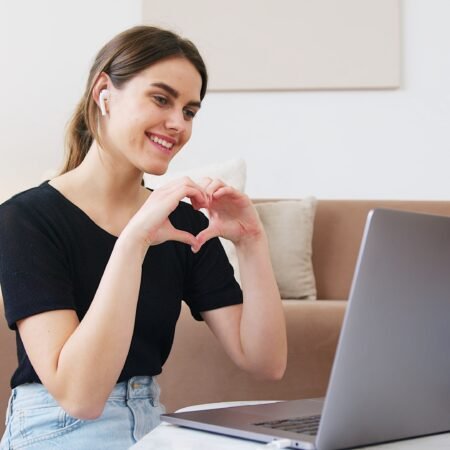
<point>231,172</point>
<point>289,228</point>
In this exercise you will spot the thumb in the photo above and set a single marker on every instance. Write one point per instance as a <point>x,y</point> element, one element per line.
<point>185,237</point>
<point>206,235</point>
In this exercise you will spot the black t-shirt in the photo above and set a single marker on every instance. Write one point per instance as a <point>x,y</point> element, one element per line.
<point>52,256</point>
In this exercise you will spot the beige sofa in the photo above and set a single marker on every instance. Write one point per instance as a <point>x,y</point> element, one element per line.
<point>198,371</point>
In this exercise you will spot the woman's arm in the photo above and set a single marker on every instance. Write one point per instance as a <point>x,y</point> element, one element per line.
<point>80,362</point>
<point>253,334</point>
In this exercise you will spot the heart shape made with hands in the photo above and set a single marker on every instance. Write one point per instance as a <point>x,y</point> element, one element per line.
<point>231,214</point>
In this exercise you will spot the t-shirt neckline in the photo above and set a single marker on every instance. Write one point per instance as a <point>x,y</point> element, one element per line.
<point>78,209</point>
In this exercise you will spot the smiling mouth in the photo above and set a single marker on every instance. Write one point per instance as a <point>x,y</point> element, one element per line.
<point>160,142</point>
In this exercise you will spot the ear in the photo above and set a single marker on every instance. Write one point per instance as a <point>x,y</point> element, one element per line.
<point>103,82</point>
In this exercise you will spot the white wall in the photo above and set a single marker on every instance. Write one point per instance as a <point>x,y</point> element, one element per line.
<point>46,48</point>
<point>348,144</point>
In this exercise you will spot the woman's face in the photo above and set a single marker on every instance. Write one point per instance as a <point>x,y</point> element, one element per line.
<point>150,118</point>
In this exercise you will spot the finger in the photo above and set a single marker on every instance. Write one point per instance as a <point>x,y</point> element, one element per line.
<point>200,201</point>
<point>227,190</point>
<point>205,182</point>
<point>190,182</point>
<point>206,235</point>
<point>174,185</point>
<point>185,237</point>
<point>214,186</point>
<point>198,198</point>
<point>195,194</point>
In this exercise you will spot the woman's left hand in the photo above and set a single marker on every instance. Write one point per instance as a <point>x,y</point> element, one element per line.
<point>231,214</point>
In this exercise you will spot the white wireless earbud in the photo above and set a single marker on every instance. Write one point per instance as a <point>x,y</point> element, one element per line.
<point>104,94</point>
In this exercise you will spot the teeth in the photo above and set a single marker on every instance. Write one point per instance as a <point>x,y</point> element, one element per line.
<point>161,142</point>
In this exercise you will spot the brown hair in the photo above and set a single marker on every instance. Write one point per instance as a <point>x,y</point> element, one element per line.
<point>122,58</point>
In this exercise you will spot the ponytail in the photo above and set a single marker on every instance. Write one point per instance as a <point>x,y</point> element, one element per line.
<point>78,138</point>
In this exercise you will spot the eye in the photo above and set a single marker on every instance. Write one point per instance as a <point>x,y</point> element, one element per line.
<point>189,113</point>
<point>161,100</point>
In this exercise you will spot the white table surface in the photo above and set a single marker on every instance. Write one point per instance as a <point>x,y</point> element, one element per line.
<point>171,437</point>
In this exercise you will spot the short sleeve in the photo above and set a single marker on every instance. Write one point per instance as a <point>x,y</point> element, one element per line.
<point>34,270</point>
<point>210,283</point>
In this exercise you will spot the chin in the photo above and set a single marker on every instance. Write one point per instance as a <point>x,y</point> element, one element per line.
<point>156,169</point>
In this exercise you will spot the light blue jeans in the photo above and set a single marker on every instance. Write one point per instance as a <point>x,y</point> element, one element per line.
<point>35,421</point>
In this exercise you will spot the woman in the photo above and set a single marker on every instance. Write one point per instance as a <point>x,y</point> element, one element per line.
<point>94,266</point>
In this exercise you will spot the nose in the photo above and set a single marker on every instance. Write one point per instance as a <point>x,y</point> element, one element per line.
<point>175,121</point>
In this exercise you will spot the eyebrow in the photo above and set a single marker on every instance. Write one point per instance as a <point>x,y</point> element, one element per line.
<point>174,93</point>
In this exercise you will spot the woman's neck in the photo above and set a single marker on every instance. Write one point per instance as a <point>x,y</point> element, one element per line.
<point>107,176</point>
<point>110,195</point>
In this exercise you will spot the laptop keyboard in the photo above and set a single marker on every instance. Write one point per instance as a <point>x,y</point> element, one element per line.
<point>303,425</point>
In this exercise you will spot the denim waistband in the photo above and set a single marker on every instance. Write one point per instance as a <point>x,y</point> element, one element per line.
<point>136,387</point>
<point>30,395</point>
<point>133,405</point>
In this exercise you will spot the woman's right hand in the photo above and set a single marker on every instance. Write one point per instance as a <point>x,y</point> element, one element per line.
<point>151,224</point>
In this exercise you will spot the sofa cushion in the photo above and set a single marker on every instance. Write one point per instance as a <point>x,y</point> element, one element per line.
<point>289,228</point>
<point>199,371</point>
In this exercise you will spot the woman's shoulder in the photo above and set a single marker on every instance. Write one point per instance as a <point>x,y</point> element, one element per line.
<point>37,214</point>
<point>32,192</point>
<point>29,202</point>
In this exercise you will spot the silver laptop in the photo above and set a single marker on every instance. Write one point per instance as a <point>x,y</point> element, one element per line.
<point>391,373</point>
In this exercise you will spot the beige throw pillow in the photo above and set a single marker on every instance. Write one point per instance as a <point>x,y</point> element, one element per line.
<point>289,228</point>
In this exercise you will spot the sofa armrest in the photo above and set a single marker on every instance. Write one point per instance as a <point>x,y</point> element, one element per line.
<point>8,363</point>
<point>198,370</point>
